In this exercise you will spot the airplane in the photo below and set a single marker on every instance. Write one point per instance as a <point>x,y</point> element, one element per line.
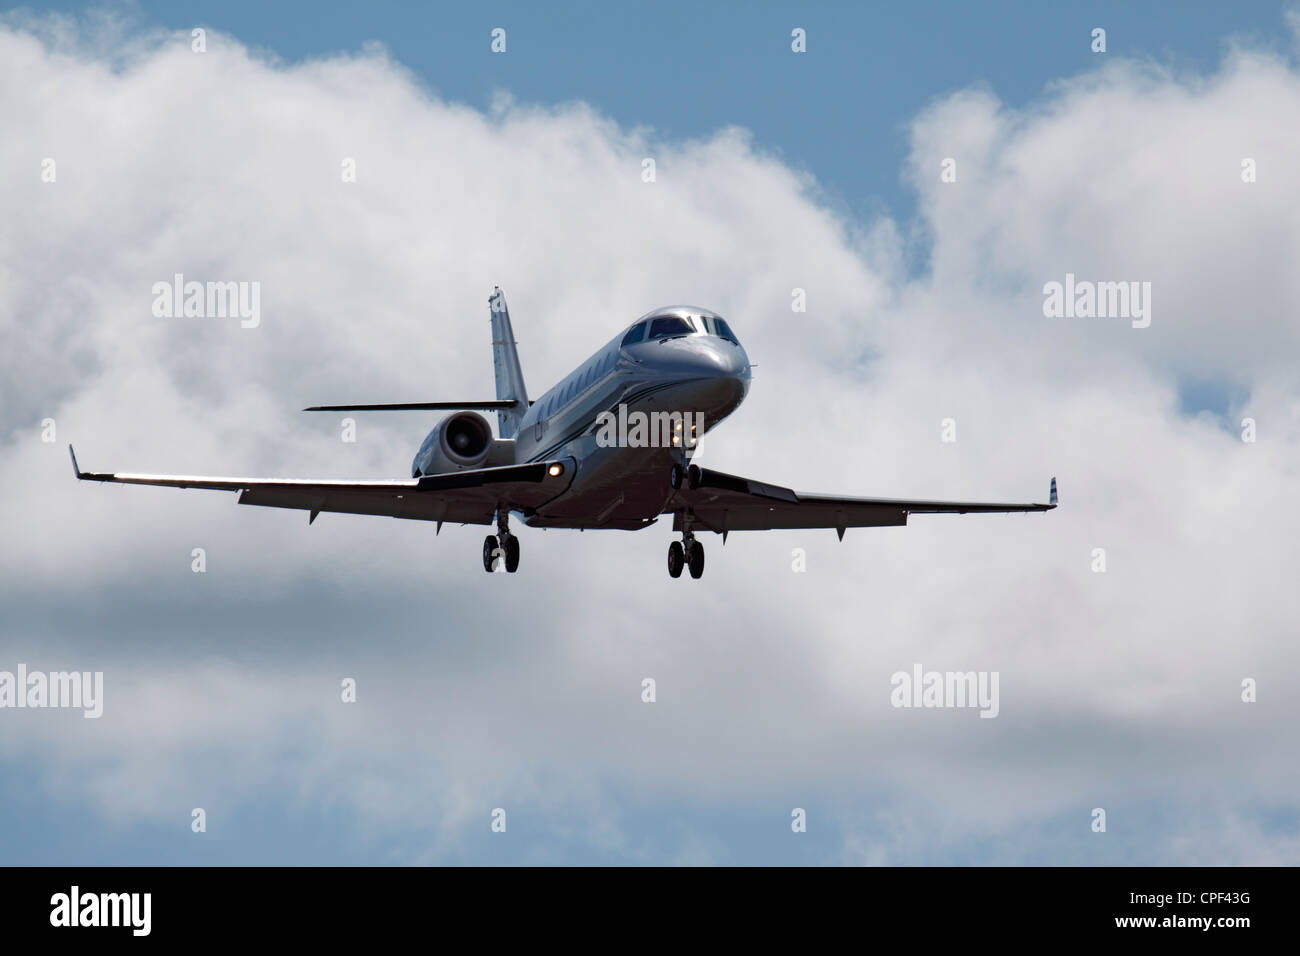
<point>554,464</point>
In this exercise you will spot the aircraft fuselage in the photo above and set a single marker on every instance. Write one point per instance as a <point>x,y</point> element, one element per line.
<point>699,376</point>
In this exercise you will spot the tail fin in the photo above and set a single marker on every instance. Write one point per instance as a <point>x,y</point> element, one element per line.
<point>505,360</point>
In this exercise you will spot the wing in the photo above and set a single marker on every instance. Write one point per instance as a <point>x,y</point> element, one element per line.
<point>724,503</point>
<point>464,497</point>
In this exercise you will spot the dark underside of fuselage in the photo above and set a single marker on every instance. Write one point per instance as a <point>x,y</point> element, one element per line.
<point>621,488</point>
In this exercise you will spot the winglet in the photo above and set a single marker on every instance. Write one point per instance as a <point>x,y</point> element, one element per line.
<point>75,470</point>
<point>1051,500</point>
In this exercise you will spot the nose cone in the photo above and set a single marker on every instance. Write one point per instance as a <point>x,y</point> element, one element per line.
<point>714,374</point>
<point>708,357</point>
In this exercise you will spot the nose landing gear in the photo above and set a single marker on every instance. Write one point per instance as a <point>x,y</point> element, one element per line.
<point>688,475</point>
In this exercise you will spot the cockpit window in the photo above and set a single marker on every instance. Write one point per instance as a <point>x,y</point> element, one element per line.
<point>633,335</point>
<point>669,327</point>
<point>724,331</point>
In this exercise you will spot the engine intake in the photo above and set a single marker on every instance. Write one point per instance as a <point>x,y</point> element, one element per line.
<point>465,438</point>
<point>459,441</point>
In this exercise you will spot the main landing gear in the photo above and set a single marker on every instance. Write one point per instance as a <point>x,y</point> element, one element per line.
<point>503,544</point>
<point>689,553</point>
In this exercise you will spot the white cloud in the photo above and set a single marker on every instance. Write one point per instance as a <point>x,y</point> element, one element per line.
<point>479,691</point>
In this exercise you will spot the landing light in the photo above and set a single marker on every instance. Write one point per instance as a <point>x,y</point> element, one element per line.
<point>555,470</point>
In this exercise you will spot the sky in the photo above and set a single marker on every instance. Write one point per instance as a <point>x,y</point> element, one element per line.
<point>1175,442</point>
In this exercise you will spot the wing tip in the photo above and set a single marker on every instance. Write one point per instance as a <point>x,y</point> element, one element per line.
<point>76,470</point>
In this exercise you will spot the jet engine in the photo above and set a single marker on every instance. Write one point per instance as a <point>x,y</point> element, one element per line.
<point>460,441</point>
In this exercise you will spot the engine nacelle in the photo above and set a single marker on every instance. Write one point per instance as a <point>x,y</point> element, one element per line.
<point>460,441</point>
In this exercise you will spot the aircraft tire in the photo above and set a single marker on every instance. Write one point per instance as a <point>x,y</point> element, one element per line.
<point>696,559</point>
<point>676,559</point>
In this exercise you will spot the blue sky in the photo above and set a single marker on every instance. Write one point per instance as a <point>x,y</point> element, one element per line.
<point>686,69</point>
<point>1120,689</point>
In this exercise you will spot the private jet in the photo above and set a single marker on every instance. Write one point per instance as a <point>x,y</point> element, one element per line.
<point>559,462</point>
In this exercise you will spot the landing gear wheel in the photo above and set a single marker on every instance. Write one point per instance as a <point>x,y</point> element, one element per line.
<point>675,479</point>
<point>676,559</point>
<point>693,479</point>
<point>695,558</point>
<point>503,545</point>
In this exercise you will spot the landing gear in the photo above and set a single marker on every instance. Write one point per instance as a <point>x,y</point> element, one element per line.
<point>676,559</point>
<point>683,475</point>
<point>686,553</point>
<point>503,544</point>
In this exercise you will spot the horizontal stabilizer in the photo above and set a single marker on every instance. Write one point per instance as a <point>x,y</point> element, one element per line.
<point>413,407</point>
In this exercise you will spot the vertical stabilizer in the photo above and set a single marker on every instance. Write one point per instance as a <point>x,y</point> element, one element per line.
<point>505,361</point>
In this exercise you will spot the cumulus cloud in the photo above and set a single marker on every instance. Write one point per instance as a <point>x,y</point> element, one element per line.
<point>1119,690</point>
